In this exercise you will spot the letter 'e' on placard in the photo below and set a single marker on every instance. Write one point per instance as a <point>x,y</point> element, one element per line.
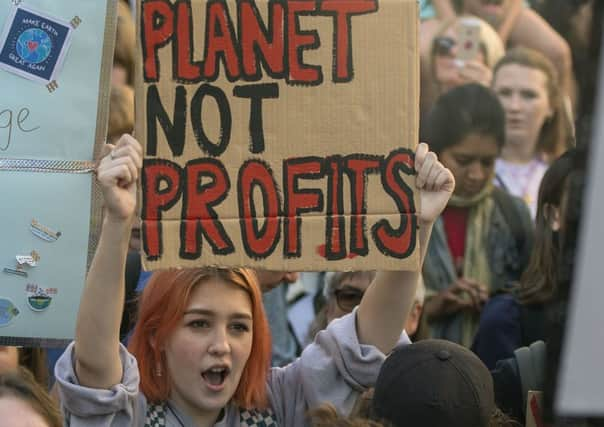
<point>278,134</point>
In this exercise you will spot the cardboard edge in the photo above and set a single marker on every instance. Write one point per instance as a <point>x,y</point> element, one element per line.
<point>102,122</point>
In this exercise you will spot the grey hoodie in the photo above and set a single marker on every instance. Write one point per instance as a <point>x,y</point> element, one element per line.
<point>334,368</point>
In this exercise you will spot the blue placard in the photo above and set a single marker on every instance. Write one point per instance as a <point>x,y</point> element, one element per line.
<point>45,218</point>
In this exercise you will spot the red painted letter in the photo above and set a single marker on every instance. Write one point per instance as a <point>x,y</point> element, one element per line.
<point>342,36</point>
<point>335,238</point>
<point>158,173</point>
<point>397,243</point>
<point>298,41</point>
<point>198,208</point>
<point>220,40</point>
<point>298,201</point>
<point>358,167</point>
<point>157,30</point>
<point>258,243</point>
<point>254,36</point>
<point>185,70</point>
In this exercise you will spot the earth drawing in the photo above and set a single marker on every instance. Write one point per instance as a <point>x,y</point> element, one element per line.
<point>34,45</point>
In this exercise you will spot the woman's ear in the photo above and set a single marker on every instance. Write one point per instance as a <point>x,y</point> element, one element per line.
<point>551,213</point>
<point>153,342</point>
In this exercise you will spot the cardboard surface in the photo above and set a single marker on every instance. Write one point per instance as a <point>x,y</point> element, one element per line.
<point>278,134</point>
<point>59,125</point>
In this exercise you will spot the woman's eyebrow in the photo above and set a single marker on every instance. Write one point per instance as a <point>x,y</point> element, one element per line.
<point>206,312</point>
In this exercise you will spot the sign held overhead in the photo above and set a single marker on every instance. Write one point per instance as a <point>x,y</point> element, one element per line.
<point>278,133</point>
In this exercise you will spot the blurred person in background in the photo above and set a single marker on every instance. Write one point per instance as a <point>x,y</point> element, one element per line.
<point>442,70</point>
<point>515,22</point>
<point>344,291</point>
<point>537,127</point>
<point>483,238</point>
<point>25,403</point>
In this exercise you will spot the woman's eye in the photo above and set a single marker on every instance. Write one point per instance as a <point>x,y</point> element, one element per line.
<point>240,327</point>
<point>528,94</point>
<point>487,163</point>
<point>504,92</point>
<point>199,324</point>
<point>463,161</point>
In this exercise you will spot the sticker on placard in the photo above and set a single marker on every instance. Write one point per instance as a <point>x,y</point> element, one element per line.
<point>33,44</point>
<point>43,232</point>
<point>39,299</point>
<point>8,312</point>
<point>15,271</point>
<point>29,260</point>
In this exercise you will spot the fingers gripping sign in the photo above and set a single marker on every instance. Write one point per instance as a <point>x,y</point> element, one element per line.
<point>117,174</point>
<point>434,181</point>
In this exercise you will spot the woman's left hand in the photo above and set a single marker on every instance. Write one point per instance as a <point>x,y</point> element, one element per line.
<point>434,182</point>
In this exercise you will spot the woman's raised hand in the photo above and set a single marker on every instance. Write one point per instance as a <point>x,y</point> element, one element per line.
<point>434,182</point>
<point>476,72</point>
<point>117,174</point>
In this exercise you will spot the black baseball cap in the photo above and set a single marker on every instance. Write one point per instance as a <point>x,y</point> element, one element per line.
<point>434,383</point>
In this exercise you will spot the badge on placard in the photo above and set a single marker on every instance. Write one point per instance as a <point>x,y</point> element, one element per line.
<point>44,232</point>
<point>30,260</point>
<point>33,44</point>
<point>39,299</point>
<point>8,312</point>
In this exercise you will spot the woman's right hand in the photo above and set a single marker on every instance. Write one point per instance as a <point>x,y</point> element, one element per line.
<point>475,72</point>
<point>117,174</point>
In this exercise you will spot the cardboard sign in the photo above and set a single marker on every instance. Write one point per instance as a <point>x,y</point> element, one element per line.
<point>55,65</point>
<point>278,133</point>
<point>581,376</point>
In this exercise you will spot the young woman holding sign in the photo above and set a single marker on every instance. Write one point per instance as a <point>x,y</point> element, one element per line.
<point>202,343</point>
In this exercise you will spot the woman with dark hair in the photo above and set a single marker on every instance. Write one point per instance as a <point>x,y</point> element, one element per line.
<point>516,319</point>
<point>25,403</point>
<point>523,316</point>
<point>483,239</point>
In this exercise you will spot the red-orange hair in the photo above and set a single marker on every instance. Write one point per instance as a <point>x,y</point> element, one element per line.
<point>161,309</point>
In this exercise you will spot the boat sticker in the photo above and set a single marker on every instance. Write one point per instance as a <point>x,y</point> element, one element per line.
<point>39,299</point>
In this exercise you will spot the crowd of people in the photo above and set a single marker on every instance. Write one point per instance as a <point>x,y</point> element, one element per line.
<point>500,179</point>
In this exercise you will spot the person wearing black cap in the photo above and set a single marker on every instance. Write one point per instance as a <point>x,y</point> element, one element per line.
<point>436,383</point>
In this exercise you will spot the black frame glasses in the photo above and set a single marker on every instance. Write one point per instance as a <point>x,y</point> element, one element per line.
<point>443,45</point>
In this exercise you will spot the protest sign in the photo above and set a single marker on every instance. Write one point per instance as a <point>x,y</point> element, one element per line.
<point>278,134</point>
<point>55,65</point>
<point>581,376</point>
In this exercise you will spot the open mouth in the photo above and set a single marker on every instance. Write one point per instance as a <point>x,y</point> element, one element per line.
<point>215,377</point>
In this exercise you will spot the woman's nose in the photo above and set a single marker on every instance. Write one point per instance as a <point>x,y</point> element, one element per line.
<point>477,172</point>
<point>220,343</point>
